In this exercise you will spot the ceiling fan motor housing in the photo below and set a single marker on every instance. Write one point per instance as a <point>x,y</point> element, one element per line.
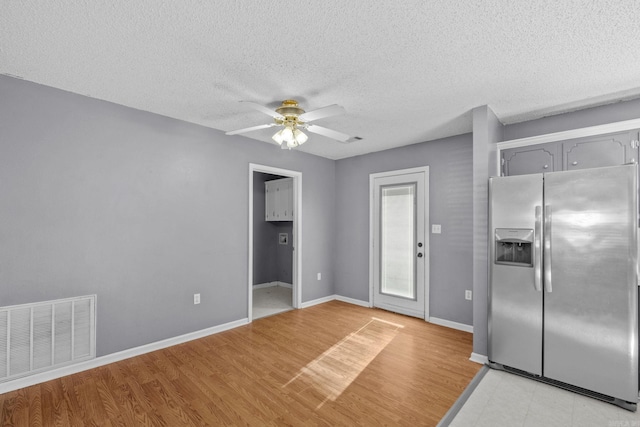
<point>290,110</point>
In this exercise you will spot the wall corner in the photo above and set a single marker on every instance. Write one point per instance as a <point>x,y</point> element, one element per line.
<point>487,131</point>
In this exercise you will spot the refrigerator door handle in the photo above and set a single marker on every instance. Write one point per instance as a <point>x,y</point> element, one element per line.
<point>547,248</point>
<point>537,254</point>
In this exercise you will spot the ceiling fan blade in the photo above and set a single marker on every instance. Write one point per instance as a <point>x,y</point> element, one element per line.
<point>251,129</point>
<point>263,109</point>
<point>329,110</point>
<point>329,133</point>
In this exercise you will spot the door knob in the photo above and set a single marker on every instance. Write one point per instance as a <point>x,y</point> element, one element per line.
<point>419,254</point>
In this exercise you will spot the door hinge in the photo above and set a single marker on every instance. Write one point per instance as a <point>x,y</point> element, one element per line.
<point>635,143</point>
<point>502,161</point>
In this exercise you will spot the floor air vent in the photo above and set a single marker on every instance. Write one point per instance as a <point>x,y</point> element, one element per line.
<point>46,335</point>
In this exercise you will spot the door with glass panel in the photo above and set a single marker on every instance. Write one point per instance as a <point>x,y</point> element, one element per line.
<point>400,250</point>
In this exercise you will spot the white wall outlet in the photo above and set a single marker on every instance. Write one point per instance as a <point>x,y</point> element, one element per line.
<point>196,298</point>
<point>319,276</point>
<point>468,295</point>
<point>436,228</point>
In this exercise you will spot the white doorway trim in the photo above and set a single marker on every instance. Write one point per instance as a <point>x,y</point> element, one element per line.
<point>372,231</point>
<point>296,238</point>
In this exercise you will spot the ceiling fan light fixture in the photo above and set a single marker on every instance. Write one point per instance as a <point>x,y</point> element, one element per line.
<point>300,137</point>
<point>287,134</point>
<point>293,137</point>
<point>278,138</point>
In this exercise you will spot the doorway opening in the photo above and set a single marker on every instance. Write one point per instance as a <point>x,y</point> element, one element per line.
<point>274,240</point>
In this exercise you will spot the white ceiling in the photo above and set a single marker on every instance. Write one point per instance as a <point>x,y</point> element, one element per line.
<point>405,71</point>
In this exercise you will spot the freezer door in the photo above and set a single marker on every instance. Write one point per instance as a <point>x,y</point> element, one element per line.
<point>515,296</point>
<point>591,293</point>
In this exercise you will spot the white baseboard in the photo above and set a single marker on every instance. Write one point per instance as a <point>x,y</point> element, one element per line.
<point>147,348</point>
<point>353,301</point>
<point>322,300</point>
<point>337,298</point>
<point>450,324</point>
<point>434,320</point>
<point>271,284</point>
<point>265,285</point>
<point>479,358</point>
<point>116,357</point>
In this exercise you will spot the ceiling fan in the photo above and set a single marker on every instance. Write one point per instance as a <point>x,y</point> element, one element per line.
<point>291,117</point>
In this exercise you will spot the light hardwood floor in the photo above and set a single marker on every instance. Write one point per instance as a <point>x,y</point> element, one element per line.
<point>331,364</point>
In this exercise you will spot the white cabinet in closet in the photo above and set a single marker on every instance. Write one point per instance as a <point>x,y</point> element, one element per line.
<point>279,200</point>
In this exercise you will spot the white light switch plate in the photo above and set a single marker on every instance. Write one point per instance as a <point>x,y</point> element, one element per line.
<point>196,298</point>
<point>436,228</point>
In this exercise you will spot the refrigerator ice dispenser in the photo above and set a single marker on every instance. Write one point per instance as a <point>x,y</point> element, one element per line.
<point>514,246</point>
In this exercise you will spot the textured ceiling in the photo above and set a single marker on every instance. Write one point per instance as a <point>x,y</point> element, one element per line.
<point>405,72</point>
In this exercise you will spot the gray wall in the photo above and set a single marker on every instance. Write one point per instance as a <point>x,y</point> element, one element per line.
<point>487,130</point>
<point>284,253</point>
<point>271,260</point>
<point>450,204</point>
<point>264,255</point>
<point>140,209</point>
<point>617,112</point>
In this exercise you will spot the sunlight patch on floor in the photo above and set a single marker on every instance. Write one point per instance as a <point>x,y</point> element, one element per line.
<point>326,377</point>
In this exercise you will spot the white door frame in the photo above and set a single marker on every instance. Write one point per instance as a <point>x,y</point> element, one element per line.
<point>296,239</point>
<point>372,209</point>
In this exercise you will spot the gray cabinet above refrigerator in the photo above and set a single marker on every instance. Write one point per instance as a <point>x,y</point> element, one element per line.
<point>580,153</point>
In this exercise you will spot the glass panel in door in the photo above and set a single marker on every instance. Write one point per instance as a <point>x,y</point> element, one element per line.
<point>397,240</point>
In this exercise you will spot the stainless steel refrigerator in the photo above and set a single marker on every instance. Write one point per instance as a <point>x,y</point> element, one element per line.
<point>563,292</point>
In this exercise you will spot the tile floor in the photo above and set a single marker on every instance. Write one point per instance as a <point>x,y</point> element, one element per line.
<point>271,300</point>
<point>504,399</point>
